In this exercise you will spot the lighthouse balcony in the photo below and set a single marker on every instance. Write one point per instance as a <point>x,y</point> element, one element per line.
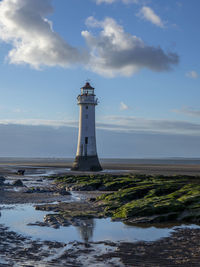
<point>87,99</point>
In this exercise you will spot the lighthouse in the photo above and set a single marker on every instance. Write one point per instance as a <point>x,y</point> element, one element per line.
<point>86,156</point>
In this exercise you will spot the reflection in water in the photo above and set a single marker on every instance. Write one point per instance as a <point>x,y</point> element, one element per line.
<point>86,229</point>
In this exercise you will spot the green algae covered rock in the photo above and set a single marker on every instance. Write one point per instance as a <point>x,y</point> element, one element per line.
<point>96,182</point>
<point>156,200</point>
<point>142,198</point>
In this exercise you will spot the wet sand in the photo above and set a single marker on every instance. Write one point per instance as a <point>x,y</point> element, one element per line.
<point>10,166</point>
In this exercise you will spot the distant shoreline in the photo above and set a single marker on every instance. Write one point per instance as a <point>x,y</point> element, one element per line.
<point>167,160</point>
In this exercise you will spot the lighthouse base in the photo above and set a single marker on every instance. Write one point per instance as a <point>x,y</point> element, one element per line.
<point>86,163</point>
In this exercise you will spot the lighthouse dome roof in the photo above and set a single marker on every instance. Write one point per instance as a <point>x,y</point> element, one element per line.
<point>87,86</point>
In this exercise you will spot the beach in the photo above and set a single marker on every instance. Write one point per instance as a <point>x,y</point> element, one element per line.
<point>142,166</point>
<point>41,241</point>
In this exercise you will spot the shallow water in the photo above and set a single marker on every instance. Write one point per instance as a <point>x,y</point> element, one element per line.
<point>16,217</point>
<point>48,172</point>
<point>113,171</point>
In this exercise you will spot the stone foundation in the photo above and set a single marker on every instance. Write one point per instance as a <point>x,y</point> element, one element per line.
<point>86,163</point>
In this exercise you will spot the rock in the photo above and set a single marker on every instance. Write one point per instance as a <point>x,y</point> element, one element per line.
<point>2,180</point>
<point>92,199</point>
<point>102,188</point>
<point>20,172</point>
<point>87,245</point>
<point>64,192</point>
<point>55,226</point>
<point>38,190</point>
<point>84,188</point>
<point>18,183</point>
<point>68,188</point>
<point>41,224</point>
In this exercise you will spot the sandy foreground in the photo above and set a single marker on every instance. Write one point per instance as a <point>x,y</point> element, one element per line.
<point>182,248</point>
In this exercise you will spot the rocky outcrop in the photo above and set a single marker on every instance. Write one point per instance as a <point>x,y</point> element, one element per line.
<point>18,183</point>
<point>2,180</point>
<point>142,199</point>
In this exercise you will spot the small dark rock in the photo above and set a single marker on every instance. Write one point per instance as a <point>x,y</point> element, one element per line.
<point>38,190</point>
<point>18,183</point>
<point>92,199</point>
<point>2,180</point>
<point>87,245</point>
<point>20,172</point>
<point>41,224</point>
<point>55,226</point>
<point>102,188</point>
<point>64,192</point>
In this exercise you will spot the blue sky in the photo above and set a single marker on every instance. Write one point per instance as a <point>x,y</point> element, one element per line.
<point>142,57</point>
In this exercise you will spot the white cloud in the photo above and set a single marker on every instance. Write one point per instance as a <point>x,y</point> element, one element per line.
<point>105,1</point>
<point>188,111</point>
<point>148,14</point>
<point>113,1</point>
<point>123,106</point>
<point>192,74</point>
<point>24,25</point>
<point>40,122</point>
<point>17,110</point>
<point>115,52</point>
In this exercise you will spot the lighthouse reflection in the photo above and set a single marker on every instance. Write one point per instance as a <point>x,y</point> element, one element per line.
<point>86,229</point>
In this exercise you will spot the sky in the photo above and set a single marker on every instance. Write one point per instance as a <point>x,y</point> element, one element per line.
<point>142,57</point>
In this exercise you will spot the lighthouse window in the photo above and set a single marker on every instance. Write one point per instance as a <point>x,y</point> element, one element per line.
<point>86,107</point>
<point>86,140</point>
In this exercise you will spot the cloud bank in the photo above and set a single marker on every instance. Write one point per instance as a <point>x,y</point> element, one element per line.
<point>44,141</point>
<point>113,52</point>
<point>133,124</point>
<point>116,52</point>
<point>126,124</point>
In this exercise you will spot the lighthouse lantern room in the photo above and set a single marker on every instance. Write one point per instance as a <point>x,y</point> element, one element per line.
<point>86,156</point>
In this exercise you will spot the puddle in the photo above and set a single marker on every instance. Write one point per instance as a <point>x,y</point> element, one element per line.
<point>2,261</point>
<point>47,172</point>
<point>15,189</point>
<point>17,217</point>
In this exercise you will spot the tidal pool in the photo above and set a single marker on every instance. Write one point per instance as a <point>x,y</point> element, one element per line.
<point>16,217</point>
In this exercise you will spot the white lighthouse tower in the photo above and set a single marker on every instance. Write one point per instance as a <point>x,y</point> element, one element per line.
<point>86,156</point>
